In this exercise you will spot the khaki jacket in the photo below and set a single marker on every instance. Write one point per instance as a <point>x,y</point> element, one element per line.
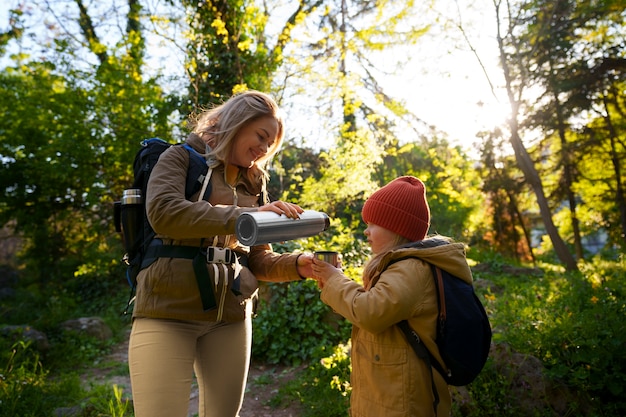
<point>388,379</point>
<point>168,288</point>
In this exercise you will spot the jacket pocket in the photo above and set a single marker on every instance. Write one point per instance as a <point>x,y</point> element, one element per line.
<point>249,285</point>
<point>382,372</point>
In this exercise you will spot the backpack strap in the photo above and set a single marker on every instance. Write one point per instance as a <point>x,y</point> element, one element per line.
<point>264,197</point>
<point>205,184</point>
<point>414,340</point>
<point>197,171</point>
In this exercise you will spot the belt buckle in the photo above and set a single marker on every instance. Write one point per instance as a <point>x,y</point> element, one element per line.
<point>215,255</point>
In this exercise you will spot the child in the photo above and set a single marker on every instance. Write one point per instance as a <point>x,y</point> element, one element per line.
<point>388,379</point>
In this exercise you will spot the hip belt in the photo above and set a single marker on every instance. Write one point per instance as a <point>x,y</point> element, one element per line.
<point>200,257</point>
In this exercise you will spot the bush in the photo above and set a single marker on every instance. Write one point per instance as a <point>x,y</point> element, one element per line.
<point>574,323</point>
<point>324,387</point>
<point>293,324</point>
<point>26,390</point>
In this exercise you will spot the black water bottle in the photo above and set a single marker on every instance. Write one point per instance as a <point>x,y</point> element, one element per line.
<point>132,220</point>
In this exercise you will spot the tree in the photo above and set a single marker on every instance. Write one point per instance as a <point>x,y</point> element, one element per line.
<point>503,187</point>
<point>332,57</point>
<point>560,53</point>
<point>71,158</point>
<point>452,185</point>
<point>516,79</point>
<point>45,182</point>
<point>228,49</point>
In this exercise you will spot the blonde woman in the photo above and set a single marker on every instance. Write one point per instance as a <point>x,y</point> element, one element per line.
<point>192,314</point>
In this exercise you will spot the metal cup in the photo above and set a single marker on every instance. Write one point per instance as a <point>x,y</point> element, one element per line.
<point>328,256</point>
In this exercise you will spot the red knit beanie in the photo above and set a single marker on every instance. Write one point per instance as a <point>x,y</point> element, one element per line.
<point>401,207</point>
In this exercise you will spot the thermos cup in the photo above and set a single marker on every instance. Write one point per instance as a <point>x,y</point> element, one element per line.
<point>256,228</point>
<point>329,256</point>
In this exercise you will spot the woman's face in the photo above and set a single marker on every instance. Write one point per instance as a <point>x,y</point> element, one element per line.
<point>379,238</point>
<point>253,141</point>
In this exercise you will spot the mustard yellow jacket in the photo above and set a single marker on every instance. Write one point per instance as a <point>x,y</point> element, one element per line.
<point>168,288</point>
<point>388,379</point>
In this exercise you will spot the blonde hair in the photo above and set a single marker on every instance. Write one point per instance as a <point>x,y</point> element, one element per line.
<point>373,265</point>
<point>222,123</point>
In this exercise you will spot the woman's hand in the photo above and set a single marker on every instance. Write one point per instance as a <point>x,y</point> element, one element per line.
<point>290,210</point>
<point>303,264</point>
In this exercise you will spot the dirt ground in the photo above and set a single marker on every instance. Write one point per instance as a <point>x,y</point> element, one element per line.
<point>263,384</point>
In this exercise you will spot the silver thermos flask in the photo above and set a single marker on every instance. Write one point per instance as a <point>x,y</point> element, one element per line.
<point>259,227</point>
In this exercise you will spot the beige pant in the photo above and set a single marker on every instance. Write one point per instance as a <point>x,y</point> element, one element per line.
<point>164,354</point>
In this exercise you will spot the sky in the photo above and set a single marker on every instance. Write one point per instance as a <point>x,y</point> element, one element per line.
<point>441,82</point>
<point>444,83</point>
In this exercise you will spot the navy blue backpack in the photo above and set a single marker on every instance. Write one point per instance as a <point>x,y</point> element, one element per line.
<point>463,331</point>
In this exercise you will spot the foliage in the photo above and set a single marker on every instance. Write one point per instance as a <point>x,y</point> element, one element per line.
<point>34,383</point>
<point>59,165</point>
<point>44,178</point>
<point>452,186</point>
<point>336,60</point>
<point>225,51</point>
<point>75,109</point>
<point>107,401</point>
<point>573,322</point>
<point>25,387</point>
<point>570,103</point>
<point>323,388</point>
<point>344,178</point>
<point>293,323</point>
<point>505,228</point>
<point>601,205</point>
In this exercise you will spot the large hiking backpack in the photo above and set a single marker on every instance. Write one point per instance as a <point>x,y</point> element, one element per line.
<point>463,330</point>
<point>132,221</point>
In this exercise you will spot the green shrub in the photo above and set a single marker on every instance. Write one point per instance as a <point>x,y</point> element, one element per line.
<point>323,388</point>
<point>107,401</point>
<point>574,323</point>
<point>26,390</point>
<point>294,324</point>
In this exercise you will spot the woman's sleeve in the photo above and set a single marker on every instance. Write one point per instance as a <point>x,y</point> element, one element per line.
<point>171,214</point>
<point>267,265</point>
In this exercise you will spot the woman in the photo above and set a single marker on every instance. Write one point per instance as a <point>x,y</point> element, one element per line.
<point>388,379</point>
<point>194,315</point>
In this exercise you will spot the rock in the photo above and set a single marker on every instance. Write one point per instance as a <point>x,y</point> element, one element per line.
<point>8,280</point>
<point>26,333</point>
<point>75,411</point>
<point>90,326</point>
<point>532,390</point>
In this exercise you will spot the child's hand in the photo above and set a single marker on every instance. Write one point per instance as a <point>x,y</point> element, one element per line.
<point>322,270</point>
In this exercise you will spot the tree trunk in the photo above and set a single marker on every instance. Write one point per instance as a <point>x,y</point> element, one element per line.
<point>520,219</point>
<point>532,177</point>
<point>567,176</point>
<point>523,158</point>
<point>620,198</point>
